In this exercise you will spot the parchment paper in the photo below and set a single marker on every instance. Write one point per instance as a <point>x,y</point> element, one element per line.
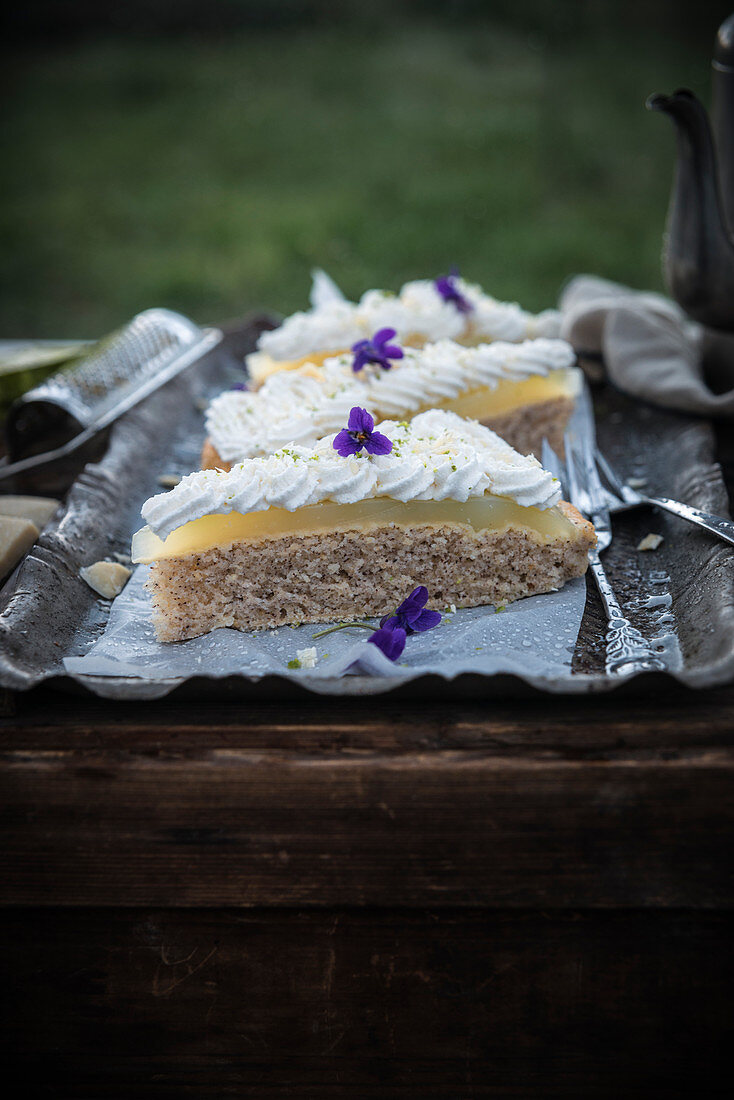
<point>533,636</point>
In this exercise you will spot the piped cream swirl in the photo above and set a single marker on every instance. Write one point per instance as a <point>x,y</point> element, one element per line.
<point>436,456</point>
<point>417,313</point>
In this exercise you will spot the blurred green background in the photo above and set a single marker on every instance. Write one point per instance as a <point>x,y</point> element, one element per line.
<point>205,157</point>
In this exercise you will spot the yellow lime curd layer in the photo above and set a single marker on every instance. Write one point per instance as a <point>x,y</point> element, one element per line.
<point>486,402</point>
<point>267,366</point>
<point>486,513</point>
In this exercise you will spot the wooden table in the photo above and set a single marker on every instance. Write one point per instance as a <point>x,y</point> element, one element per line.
<point>505,900</point>
<point>369,899</point>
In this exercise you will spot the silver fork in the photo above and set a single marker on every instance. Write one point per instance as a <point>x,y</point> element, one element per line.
<point>627,651</point>
<point>627,497</point>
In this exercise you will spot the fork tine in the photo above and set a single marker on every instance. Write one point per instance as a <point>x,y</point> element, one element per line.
<point>609,473</point>
<point>583,448</point>
<point>574,488</point>
<point>552,463</point>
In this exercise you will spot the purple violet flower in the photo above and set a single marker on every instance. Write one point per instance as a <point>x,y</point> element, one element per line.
<point>389,640</point>
<point>449,291</point>
<point>377,350</point>
<point>412,615</point>
<point>410,618</point>
<point>359,434</point>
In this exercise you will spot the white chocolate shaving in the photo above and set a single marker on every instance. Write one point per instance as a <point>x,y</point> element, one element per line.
<point>106,578</point>
<point>650,542</point>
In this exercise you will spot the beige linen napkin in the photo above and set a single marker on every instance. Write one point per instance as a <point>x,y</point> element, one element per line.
<point>649,347</point>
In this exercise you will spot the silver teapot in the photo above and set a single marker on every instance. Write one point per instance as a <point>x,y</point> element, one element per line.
<point>698,253</point>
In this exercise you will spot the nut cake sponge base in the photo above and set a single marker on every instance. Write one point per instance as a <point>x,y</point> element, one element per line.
<point>328,577</point>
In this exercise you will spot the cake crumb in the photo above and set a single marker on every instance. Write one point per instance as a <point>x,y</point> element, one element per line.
<point>168,481</point>
<point>307,657</point>
<point>650,542</point>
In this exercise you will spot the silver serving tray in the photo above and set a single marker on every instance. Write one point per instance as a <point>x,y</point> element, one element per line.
<point>47,612</point>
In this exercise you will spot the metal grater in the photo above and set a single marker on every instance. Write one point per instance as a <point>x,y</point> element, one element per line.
<point>71,406</point>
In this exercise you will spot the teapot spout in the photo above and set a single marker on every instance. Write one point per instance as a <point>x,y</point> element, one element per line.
<point>698,256</point>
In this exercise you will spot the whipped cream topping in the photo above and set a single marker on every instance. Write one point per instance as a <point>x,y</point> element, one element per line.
<point>437,456</point>
<point>303,405</point>
<point>417,312</point>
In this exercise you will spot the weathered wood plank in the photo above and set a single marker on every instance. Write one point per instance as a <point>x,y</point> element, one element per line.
<point>330,1004</point>
<point>585,726</point>
<point>229,827</point>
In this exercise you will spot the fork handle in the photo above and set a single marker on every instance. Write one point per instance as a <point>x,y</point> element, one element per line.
<point>627,650</point>
<point>717,525</point>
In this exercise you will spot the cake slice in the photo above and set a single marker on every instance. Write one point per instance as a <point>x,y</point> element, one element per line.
<point>424,311</point>
<point>524,392</point>
<point>313,535</point>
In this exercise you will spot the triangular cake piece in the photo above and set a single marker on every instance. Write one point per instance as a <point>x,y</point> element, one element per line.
<point>525,392</point>
<point>423,311</point>
<point>310,534</point>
